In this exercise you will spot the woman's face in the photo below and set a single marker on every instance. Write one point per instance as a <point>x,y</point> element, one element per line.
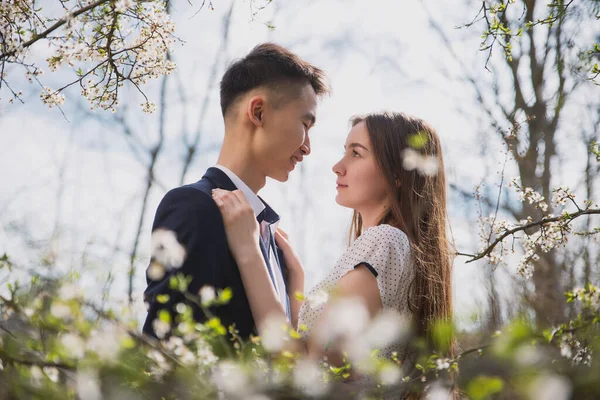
<point>360,183</point>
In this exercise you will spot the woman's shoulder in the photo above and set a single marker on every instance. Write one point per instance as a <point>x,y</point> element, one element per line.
<point>384,234</point>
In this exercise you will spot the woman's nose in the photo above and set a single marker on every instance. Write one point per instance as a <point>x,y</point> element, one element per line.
<point>338,168</point>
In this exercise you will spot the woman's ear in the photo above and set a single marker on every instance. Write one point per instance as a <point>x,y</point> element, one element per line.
<point>255,110</point>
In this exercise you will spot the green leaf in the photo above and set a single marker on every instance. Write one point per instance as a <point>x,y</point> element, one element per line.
<point>483,387</point>
<point>418,140</point>
<point>225,295</point>
<point>164,316</point>
<point>162,298</point>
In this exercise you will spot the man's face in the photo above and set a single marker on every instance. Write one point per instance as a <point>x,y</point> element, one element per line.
<point>282,141</point>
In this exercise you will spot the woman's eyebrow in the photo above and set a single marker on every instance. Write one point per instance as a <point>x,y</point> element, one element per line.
<point>354,145</point>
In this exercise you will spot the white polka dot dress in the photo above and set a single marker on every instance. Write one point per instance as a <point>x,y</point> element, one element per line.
<point>385,250</point>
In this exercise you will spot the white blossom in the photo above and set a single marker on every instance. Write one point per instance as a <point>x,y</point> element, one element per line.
<point>166,250</point>
<point>204,354</point>
<point>52,97</point>
<point>390,374</point>
<point>550,386</point>
<point>561,196</point>
<point>207,294</point>
<point>231,379</point>
<point>73,344</point>
<point>88,385</point>
<point>106,342</point>
<point>346,318</point>
<point>123,5</point>
<point>36,375</point>
<point>161,328</point>
<point>61,311</point>
<point>388,327</point>
<point>309,378</point>
<point>51,373</point>
<point>438,392</point>
<point>155,271</point>
<point>442,363</point>
<point>274,334</point>
<point>70,291</point>
<point>161,366</point>
<point>318,298</point>
<point>424,164</point>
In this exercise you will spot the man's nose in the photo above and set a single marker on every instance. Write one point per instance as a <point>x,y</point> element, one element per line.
<point>305,148</point>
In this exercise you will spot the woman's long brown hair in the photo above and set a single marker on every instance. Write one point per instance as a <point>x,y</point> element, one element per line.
<point>418,208</point>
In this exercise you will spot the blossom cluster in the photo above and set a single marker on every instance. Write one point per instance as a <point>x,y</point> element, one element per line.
<point>550,233</point>
<point>107,46</point>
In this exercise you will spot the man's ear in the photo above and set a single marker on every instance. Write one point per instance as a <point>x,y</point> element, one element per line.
<point>256,107</point>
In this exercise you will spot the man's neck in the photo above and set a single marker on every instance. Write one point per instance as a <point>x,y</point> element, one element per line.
<point>241,165</point>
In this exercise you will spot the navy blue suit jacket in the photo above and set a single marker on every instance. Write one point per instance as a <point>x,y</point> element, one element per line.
<point>192,214</point>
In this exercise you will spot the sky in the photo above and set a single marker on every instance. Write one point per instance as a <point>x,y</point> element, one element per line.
<point>71,182</point>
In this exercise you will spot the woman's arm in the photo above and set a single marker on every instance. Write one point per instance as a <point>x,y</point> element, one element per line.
<point>261,294</point>
<point>242,236</point>
<point>359,283</point>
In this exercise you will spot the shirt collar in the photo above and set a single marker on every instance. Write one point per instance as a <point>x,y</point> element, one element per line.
<point>255,202</point>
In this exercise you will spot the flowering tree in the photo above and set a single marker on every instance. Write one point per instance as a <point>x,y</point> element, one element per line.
<point>538,99</point>
<point>57,343</point>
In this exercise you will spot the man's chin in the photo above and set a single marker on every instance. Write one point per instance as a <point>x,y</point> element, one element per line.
<point>280,177</point>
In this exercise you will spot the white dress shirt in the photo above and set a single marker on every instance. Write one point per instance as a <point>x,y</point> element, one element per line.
<point>266,230</point>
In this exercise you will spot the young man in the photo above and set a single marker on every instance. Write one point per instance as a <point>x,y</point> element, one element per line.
<point>268,101</point>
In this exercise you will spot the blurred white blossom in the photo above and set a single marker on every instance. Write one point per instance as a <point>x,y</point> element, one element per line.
<point>318,298</point>
<point>424,164</point>
<point>156,271</point>
<point>88,385</point>
<point>309,378</point>
<point>388,327</point>
<point>70,291</point>
<point>51,373</point>
<point>74,345</point>
<point>438,392</point>
<point>231,379</point>
<point>390,374</point>
<point>442,363</point>
<point>161,328</point>
<point>61,311</point>
<point>166,250</point>
<point>274,333</point>
<point>346,318</point>
<point>106,342</point>
<point>207,294</point>
<point>550,386</point>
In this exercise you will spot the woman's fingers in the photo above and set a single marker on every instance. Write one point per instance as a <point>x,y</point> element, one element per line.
<point>232,203</point>
<point>281,239</point>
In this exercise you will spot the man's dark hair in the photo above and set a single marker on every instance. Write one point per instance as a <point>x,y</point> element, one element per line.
<point>272,66</point>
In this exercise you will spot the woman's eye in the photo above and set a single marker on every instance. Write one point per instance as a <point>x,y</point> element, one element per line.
<point>355,153</point>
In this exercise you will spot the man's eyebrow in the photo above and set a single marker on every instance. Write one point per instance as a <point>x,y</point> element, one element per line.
<point>311,117</point>
<point>354,145</point>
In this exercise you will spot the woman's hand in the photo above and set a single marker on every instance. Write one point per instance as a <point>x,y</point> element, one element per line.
<point>240,223</point>
<point>292,261</point>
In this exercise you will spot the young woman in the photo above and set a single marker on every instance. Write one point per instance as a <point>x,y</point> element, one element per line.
<point>392,175</point>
